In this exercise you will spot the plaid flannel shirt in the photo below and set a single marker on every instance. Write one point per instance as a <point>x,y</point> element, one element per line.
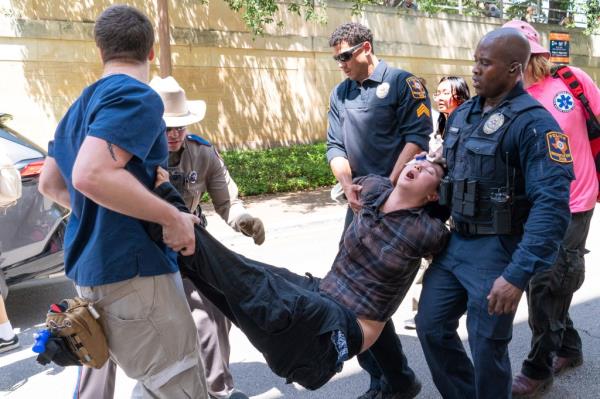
<point>381,253</point>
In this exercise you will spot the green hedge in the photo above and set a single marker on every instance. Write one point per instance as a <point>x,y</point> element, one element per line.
<point>275,170</point>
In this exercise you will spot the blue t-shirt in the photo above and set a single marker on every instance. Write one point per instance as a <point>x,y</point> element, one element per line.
<point>103,246</point>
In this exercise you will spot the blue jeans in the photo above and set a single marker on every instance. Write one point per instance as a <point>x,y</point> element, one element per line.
<point>459,280</point>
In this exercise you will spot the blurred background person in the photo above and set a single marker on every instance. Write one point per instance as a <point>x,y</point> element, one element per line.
<point>10,192</point>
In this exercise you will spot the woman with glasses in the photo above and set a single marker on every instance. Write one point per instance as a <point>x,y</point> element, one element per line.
<point>451,92</point>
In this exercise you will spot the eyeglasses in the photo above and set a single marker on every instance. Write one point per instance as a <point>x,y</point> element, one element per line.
<point>346,56</point>
<point>438,94</point>
<point>179,129</point>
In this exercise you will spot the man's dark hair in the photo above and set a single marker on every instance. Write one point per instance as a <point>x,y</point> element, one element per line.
<point>124,33</point>
<point>353,33</point>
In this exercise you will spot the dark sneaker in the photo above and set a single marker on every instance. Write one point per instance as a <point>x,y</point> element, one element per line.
<point>370,394</point>
<point>562,364</point>
<point>410,393</point>
<point>9,344</point>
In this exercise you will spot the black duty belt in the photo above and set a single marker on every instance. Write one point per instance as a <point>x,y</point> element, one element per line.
<point>472,229</point>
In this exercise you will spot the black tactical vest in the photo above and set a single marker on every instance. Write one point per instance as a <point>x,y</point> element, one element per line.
<point>486,194</point>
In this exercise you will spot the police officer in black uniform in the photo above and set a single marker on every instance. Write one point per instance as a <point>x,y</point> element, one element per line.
<point>508,192</point>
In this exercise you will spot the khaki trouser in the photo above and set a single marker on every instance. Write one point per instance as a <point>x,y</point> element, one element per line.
<point>151,335</point>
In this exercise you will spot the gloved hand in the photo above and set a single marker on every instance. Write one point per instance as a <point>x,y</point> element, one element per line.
<point>252,227</point>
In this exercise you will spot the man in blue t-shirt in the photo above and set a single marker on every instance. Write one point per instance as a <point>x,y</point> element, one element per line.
<point>101,165</point>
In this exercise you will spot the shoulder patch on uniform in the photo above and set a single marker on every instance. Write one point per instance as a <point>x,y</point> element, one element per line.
<point>558,147</point>
<point>198,139</point>
<point>423,110</point>
<point>416,88</point>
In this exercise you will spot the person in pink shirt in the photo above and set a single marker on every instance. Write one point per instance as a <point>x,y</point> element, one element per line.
<point>550,292</point>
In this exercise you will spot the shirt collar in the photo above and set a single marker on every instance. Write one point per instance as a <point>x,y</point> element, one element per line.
<point>376,76</point>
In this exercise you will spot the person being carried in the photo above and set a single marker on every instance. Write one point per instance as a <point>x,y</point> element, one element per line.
<point>332,319</point>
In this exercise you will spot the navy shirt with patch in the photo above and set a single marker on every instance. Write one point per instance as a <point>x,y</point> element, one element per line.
<point>103,246</point>
<point>369,124</point>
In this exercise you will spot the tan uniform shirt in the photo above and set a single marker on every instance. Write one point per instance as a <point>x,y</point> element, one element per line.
<point>197,168</point>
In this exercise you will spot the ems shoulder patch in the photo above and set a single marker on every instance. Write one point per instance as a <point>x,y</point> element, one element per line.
<point>423,110</point>
<point>198,139</point>
<point>558,147</point>
<point>416,88</point>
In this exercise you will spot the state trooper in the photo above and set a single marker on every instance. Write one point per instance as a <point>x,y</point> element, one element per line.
<point>195,168</point>
<point>507,188</point>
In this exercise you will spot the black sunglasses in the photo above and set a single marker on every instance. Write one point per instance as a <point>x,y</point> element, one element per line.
<point>346,56</point>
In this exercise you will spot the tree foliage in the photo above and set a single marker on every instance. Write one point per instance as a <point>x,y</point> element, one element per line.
<point>257,14</point>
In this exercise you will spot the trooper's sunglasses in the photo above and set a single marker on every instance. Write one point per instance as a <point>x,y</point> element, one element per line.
<point>179,129</point>
<point>346,56</point>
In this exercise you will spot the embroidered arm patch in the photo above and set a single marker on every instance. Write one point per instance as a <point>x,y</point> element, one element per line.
<point>558,147</point>
<point>416,88</point>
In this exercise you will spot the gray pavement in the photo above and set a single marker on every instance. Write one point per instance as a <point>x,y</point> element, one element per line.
<point>303,231</point>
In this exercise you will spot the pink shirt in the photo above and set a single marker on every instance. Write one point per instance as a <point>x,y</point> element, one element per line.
<point>569,113</point>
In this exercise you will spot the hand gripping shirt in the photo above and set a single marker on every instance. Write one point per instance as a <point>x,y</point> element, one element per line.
<point>370,123</point>
<point>555,96</point>
<point>381,253</point>
<point>103,246</point>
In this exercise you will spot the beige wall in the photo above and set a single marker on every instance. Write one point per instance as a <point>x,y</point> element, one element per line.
<point>270,90</point>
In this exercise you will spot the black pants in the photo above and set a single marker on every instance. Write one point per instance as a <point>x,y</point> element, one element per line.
<point>385,361</point>
<point>283,314</point>
<point>549,296</point>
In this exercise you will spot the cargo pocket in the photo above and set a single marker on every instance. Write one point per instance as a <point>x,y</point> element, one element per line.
<point>273,311</point>
<point>569,272</point>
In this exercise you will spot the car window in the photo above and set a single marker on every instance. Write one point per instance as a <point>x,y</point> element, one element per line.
<point>17,152</point>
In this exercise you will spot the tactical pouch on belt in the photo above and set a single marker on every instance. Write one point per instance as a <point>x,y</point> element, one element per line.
<point>76,322</point>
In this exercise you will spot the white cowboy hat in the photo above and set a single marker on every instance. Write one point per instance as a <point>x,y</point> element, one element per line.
<point>178,111</point>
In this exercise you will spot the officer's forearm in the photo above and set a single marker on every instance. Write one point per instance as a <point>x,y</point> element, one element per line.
<point>341,170</point>
<point>408,152</point>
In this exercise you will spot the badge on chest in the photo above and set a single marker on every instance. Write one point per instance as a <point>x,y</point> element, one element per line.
<point>493,123</point>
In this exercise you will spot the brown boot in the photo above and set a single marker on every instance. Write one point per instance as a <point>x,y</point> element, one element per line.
<point>527,388</point>
<point>562,364</point>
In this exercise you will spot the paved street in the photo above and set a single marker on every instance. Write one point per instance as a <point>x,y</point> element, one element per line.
<point>303,230</point>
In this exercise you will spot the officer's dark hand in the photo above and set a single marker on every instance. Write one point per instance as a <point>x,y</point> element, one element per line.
<point>352,192</point>
<point>503,297</point>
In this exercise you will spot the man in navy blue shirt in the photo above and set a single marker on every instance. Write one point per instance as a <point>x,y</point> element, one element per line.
<point>509,172</point>
<point>379,119</point>
<point>102,165</point>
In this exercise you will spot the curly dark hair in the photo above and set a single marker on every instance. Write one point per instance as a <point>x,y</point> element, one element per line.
<point>124,33</point>
<point>353,33</point>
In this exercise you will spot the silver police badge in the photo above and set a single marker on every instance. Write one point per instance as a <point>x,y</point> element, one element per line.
<point>382,90</point>
<point>493,123</point>
<point>192,177</point>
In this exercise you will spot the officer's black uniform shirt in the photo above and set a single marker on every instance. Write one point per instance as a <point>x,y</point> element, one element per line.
<point>545,182</point>
<point>370,123</point>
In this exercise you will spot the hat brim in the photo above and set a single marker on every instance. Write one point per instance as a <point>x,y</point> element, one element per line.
<point>196,112</point>
<point>536,48</point>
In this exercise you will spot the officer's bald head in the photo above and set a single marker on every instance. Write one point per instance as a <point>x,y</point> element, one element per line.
<point>500,59</point>
<point>509,44</point>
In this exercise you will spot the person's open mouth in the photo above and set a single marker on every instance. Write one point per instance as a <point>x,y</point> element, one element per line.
<point>410,175</point>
